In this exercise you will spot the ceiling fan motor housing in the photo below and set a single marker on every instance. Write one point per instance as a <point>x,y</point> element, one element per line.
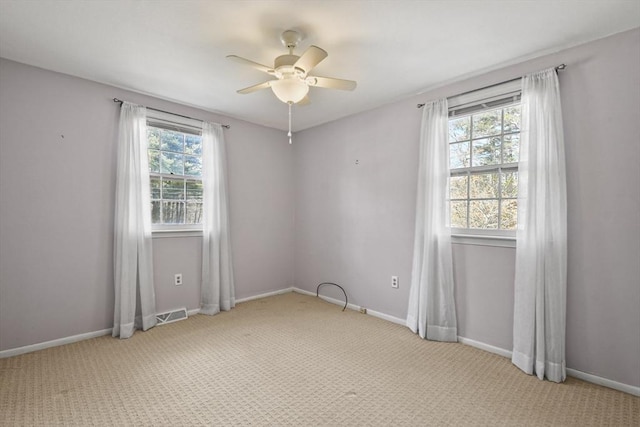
<point>283,66</point>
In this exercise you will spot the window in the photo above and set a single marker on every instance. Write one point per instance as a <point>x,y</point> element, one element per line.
<point>484,143</point>
<point>175,169</point>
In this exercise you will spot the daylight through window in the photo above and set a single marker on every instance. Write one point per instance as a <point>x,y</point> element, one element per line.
<point>175,167</point>
<point>483,159</point>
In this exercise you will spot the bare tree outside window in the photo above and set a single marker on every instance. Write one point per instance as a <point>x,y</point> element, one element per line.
<point>483,159</point>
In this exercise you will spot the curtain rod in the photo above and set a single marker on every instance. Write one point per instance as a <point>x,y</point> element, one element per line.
<point>169,112</point>
<point>558,68</point>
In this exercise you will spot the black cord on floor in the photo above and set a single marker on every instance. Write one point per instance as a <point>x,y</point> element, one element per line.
<point>346,302</point>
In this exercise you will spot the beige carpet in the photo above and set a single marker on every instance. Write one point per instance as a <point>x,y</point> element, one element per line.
<point>290,360</point>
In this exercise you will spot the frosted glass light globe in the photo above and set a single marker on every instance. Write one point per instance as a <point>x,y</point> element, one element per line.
<point>289,90</point>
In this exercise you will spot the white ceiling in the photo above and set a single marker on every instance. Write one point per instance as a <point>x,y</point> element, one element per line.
<point>394,49</point>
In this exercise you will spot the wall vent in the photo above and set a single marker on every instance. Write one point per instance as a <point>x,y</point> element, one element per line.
<point>171,316</point>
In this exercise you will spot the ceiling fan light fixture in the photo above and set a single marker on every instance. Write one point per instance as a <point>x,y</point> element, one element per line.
<point>289,91</point>
<point>292,73</point>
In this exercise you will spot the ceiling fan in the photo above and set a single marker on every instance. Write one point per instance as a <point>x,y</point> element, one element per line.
<point>293,81</point>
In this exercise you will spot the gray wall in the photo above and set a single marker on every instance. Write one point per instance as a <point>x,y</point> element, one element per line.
<point>57,184</point>
<point>354,222</point>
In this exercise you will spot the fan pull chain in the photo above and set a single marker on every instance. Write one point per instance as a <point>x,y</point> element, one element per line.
<point>289,134</point>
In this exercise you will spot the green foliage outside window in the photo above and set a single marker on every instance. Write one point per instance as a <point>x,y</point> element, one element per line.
<point>175,166</point>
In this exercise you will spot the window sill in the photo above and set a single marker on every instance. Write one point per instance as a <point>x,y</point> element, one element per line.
<point>473,239</point>
<point>176,232</point>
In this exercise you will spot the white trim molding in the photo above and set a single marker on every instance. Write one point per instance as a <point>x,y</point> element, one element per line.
<point>327,299</point>
<point>487,94</point>
<point>486,347</point>
<point>590,378</point>
<point>373,313</point>
<point>53,343</point>
<point>604,382</point>
<point>387,317</point>
<point>480,240</point>
<point>167,233</point>
<point>265,295</point>
<point>193,312</point>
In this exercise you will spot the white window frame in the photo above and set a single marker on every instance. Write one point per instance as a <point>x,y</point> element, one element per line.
<point>180,124</point>
<point>466,101</point>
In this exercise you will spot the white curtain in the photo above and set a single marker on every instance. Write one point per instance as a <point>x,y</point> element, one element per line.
<point>133,264</point>
<point>431,311</point>
<point>541,254</point>
<point>217,292</point>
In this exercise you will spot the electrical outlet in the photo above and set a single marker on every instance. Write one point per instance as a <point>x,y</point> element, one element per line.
<point>394,282</point>
<point>177,279</point>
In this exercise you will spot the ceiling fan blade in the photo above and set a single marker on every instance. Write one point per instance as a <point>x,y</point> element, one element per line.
<point>250,63</point>
<point>304,101</point>
<point>255,88</point>
<point>310,58</point>
<point>331,83</point>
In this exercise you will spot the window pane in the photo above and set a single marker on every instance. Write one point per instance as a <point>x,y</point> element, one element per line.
<point>512,119</point>
<point>484,186</point>
<point>154,161</point>
<point>194,190</point>
<point>486,151</point>
<point>171,141</point>
<point>483,214</point>
<point>458,187</point>
<point>192,165</point>
<point>485,124</point>
<point>459,214</point>
<point>509,214</point>
<point>459,155</point>
<point>194,213</point>
<point>173,189</point>
<point>193,144</point>
<point>487,198</point>
<point>172,163</point>
<point>459,129</point>
<point>172,212</point>
<point>175,154</point>
<point>153,137</point>
<point>510,184</point>
<point>155,212</point>
<point>155,188</point>
<point>511,148</point>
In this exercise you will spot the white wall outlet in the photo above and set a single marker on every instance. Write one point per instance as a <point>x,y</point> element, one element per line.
<point>394,282</point>
<point>177,279</point>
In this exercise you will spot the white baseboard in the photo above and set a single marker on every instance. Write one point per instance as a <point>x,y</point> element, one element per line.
<point>570,372</point>
<point>604,382</point>
<point>311,294</point>
<point>354,307</point>
<point>328,299</point>
<point>88,335</point>
<point>265,295</point>
<point>53,343</point>
<point>486,347</point>
<point>387,317</point>
<point>241,300</point>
